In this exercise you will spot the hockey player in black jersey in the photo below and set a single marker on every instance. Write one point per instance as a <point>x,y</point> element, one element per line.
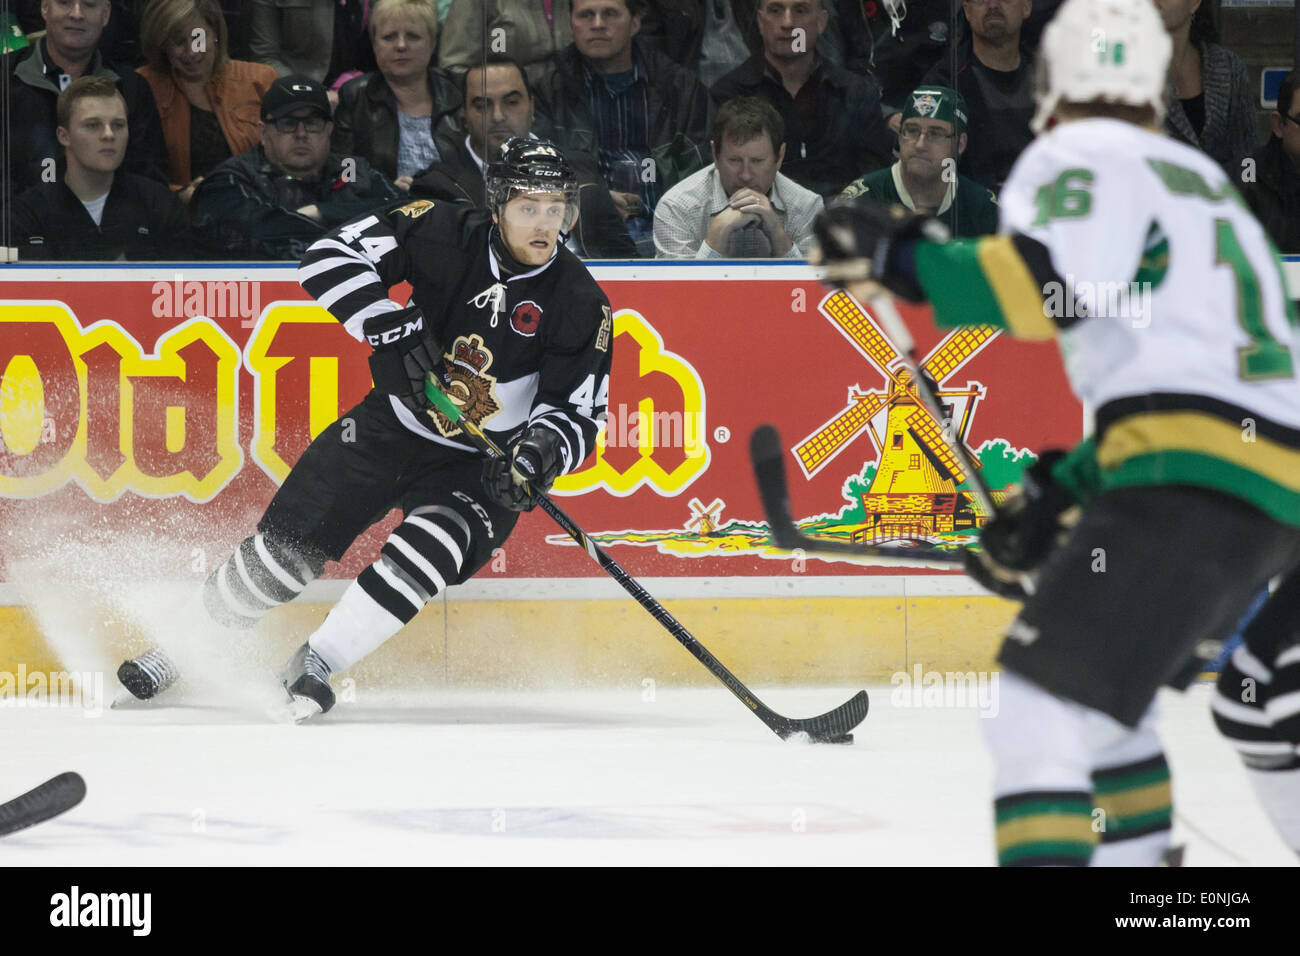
<point>520,334</point>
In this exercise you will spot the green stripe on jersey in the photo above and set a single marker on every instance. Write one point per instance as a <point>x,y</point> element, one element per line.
<point>956,286</point>
<point>1206,471</point>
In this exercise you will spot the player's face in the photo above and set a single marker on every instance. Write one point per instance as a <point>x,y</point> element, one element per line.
<point>603,29</point>
<point>923,145</point>
<point>192,51</point>
<point>996,20</point>
<point>72,27</point>
<point>96,134</point>
<point>402,45</point>
<point>789,28</point>
<point>301,151</point>
<point>497,107</point>
<point>530,226</point>
<point>750,165</point>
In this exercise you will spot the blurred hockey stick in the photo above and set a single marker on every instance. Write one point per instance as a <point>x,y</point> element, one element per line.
<point>830,727</point>
<point>769,470</point>
<point>56,795</point>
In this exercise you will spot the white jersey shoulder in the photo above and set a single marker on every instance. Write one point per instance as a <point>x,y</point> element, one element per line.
<point>1181,286</point>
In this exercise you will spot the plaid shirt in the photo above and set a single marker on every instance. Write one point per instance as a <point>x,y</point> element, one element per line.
<point>622,121</point>
<point>683,216</point>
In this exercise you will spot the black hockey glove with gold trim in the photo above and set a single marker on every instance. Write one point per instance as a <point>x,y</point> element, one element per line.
<point>404,353</point>
<point>1026,529</point>
<point>866,241</point>
<point>528,468</point>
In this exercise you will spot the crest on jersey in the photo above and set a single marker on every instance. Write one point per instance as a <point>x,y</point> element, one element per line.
<point>927,104</point>
<point>468,384</point>
<point>415,210</point>
<point>526,317</point>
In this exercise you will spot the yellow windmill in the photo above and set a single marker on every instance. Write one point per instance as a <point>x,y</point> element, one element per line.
<point>914,491</point>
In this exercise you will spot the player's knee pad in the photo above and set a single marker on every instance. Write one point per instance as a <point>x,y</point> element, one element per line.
<point>264,572</point>
<point>1240,715</point>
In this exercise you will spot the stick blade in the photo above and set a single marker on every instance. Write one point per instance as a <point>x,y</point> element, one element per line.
<point>832,727</point>
<point>56,795</point>
<point>765,453</point>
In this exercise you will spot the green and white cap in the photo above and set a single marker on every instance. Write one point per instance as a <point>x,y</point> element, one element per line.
<point>937,102</point>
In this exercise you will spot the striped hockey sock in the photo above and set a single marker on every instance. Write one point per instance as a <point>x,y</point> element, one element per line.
<point>1136,812</point>
<point>1044,828</point>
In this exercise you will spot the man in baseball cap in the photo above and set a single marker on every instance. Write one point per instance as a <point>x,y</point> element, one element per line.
<point>280,197</point>
<point>931,138</point>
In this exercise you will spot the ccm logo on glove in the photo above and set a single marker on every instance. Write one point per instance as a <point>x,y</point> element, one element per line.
<point>388,336</point>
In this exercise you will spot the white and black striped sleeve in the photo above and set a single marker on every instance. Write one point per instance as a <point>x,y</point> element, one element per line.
<point>573,384</point>
<point>350,270</point>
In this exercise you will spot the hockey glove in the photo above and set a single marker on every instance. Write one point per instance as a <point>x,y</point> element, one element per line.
<point>869,241</point>
<point>1028,526</point>
<point>529,468</point>
<point>404,352</point>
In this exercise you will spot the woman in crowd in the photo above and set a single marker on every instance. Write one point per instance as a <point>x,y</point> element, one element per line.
<point>210,104</point>
<point>389,116</point>
<point>1210,104</point>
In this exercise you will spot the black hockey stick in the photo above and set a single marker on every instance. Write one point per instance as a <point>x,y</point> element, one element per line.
<point>769,470</point>
<point>830,727</point>
<point>51,798</point>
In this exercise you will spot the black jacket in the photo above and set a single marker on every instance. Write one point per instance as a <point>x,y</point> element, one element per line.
<point>1000,106</point>
<point>599,233</point>
<point>142,220</point>
<point>828,146</point>
<point>30,116</point>
<point>678,107</point>
<point>365,122</point>
<point>1275,196</point>
<point>246,208</point>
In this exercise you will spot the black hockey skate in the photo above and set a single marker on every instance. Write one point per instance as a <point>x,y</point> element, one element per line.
<point>307,679</point>
<point>148,675</point>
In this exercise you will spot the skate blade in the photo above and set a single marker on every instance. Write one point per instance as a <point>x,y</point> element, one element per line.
<point>296,710</point>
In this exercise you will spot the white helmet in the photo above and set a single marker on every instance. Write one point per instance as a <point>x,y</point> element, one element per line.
<point>1111,50</point>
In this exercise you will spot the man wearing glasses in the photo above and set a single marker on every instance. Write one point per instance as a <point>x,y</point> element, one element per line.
<point>1274,196</point>
<point>275,200</point>
<point>931,139</point>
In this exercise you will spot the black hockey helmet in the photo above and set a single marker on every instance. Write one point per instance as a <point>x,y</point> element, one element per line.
<point>528,165</point>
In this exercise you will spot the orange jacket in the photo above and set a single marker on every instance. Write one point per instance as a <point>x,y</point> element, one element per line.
<point>235,91</point>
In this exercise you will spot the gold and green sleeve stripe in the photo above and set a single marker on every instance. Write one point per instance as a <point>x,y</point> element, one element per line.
<point>1000,281</point>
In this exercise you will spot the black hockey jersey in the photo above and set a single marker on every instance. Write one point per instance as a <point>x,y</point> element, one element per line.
<point>528,349</point>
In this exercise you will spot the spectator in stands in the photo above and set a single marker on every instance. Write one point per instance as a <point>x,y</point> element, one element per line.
<point>993,70</point>
<point>925,178</point>
<point>709,38</point>
<point>1274,192</point>
<point>36,76</point>
<point>94,211</point>
<point>530,31</point>
<point>498,106</point>
<point>389,116</point>
<point>906,42</point>
<point>835,130</point>
<point>276,199</point>
<point>643,119</point>
<point>1210,103</point>
<point>209,104</point>
<point>741,206</point>
<point>321,39</point>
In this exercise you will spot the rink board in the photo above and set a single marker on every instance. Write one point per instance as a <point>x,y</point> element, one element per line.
<point>147,415</point>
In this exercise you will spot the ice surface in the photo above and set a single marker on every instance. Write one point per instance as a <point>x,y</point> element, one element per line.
<point>557,777</point>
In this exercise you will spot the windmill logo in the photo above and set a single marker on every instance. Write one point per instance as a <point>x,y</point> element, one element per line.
<point>914,492</point>
<point>705,521</point>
